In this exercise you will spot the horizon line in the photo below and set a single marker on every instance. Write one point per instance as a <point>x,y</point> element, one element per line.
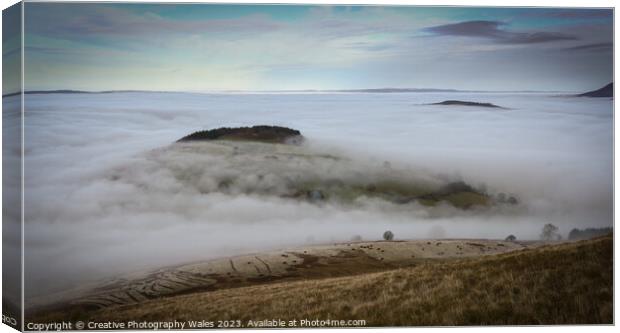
<point>360,90</point>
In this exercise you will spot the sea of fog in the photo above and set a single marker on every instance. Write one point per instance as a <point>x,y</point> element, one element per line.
<point>553,152</point>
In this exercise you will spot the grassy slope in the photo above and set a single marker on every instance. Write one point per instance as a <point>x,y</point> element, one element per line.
<point>561,284</point>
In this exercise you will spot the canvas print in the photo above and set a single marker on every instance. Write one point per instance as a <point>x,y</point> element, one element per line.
<point>199,166</point>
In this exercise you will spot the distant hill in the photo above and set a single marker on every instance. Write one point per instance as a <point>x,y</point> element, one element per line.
<point>395,90</point>
<point>373,90</point>
<point>62,91</point>
<point>12,94</point>
<point>606,91</point>
<point>69,91</point>
<point>466,103</point>
<point>369,90</point>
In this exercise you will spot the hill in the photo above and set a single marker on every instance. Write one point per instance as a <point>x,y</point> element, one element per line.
<point>606,91</point>
<point>567,283</point>
<point>280,166</point>
<point>467,103</point>
<point>267,134</point>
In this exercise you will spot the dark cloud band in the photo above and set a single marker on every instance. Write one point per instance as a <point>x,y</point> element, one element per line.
<point>495,31</point>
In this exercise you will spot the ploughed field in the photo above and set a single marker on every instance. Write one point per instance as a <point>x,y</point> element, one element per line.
<point>421,282</point>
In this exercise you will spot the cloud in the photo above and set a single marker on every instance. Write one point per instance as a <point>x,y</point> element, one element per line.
<point>110,195</point>
<point>495,31</point>
<point>370,47</point>
<point>84,20</point>
<point>112,47</point>
<point>594,47</point>
<point>599,13</point>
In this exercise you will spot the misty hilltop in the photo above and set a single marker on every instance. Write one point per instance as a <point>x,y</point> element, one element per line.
<point>262,133</point>
<point>253,161</point>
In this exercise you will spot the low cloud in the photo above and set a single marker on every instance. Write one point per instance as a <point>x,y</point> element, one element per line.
<point>496,32</point>
<point>111,195</point>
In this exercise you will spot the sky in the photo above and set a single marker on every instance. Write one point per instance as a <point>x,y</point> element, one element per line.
<point>11,49</point>
<point>205,47</point>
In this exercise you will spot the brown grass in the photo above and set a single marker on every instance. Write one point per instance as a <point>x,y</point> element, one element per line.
<point>560,284</point>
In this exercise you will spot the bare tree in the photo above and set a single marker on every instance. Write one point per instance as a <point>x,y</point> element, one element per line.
<point>550,232</point>
<point>388,235</point>
<point>511,238</point>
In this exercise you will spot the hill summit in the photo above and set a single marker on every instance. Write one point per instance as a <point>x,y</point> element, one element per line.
<point>262,133</point>
<point>606,91</point>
